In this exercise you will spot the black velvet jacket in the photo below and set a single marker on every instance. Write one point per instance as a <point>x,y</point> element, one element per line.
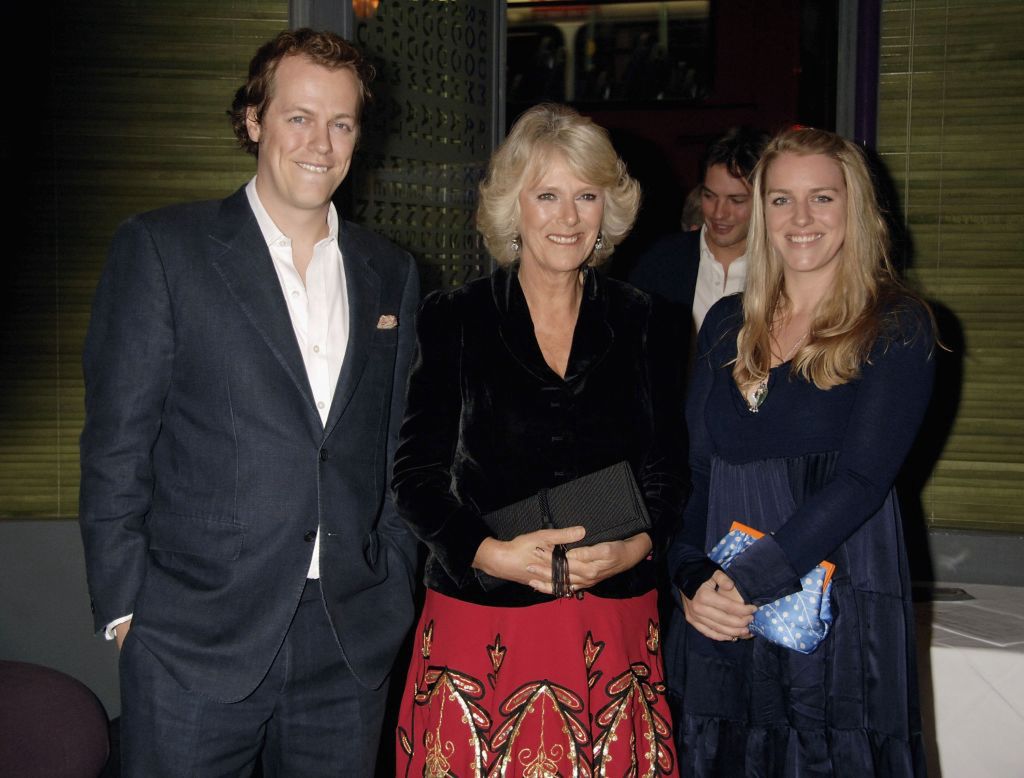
<point>489,423</point>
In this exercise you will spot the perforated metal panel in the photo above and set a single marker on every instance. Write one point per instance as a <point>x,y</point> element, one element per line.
<point>427,138</point>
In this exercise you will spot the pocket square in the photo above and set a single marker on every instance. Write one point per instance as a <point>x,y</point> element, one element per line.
<point>387,322</point>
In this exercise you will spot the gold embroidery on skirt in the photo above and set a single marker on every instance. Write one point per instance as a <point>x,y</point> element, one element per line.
<point>439,686</point>
<point>653,636</point>
<point>630,690</point>
<point>541,766</point>
<point>578,750</point>
<point>496,652</point>
<point>428,640</point>
<point>520,706</point>
<point>591,651</point>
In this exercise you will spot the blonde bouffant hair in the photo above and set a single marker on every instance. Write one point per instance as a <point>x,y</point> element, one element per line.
<point>864,293</point>
<point>539,134</point>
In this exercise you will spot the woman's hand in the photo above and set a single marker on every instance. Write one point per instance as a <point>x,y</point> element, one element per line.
<point>589,565</point>
<point>526,559</point>
<point>717,610</point>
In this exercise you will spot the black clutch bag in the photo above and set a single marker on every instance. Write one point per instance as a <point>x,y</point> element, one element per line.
<point>608,503</point>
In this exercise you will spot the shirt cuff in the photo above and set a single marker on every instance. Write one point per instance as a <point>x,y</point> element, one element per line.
<point>108,632</point>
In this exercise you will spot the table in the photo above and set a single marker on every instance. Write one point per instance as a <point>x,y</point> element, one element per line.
<point>971,655</point>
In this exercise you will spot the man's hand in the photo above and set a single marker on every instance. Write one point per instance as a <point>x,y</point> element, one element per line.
<point>121,632</point>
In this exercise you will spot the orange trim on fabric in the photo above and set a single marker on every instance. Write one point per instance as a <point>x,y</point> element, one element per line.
<point>830,568</point>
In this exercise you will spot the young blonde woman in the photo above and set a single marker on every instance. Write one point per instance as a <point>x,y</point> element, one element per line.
<point>807,395</point>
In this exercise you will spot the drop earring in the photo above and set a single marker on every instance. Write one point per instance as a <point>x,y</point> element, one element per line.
<point>599,243</point>
<point>516,245</point>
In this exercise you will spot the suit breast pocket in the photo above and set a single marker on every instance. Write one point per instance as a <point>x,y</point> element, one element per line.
<point>385,340</point>
<point>201,536</point>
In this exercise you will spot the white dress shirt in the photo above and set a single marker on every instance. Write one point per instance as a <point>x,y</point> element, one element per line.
<point>712,284</point>
<point>318,309</point>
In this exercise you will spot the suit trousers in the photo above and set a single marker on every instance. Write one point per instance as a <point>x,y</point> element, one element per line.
<point>308,717</point>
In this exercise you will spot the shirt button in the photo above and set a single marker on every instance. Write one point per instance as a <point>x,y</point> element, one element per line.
<point>320,405</point>
<point>295,292</point>
<point>316,349</point>
<point>310,535</point>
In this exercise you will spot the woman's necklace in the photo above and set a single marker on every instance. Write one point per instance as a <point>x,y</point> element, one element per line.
<point>756,397</point>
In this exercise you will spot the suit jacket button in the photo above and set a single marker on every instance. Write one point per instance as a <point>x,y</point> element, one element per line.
<point>323,455</point>
<point>310,535</point>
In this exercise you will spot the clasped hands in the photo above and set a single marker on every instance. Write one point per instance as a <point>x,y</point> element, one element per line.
<point>718,611</point>
<point>526,559</point>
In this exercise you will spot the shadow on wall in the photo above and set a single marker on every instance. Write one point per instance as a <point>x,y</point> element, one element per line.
<point>945,402</point>
<point>931,441</point>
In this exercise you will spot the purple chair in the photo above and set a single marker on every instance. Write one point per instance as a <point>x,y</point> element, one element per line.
<point>51,725</point>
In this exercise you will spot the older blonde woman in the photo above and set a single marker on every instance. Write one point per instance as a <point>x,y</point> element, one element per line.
<point>543,372</point>
<point>807,394</point>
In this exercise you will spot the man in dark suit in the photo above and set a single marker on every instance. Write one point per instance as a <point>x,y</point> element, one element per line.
<point>245,372</point>
<point>693,270</point>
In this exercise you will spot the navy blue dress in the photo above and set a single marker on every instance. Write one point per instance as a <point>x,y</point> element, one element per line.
<point>816,469</point>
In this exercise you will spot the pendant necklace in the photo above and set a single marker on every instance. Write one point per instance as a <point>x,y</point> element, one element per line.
<point>759,393</point>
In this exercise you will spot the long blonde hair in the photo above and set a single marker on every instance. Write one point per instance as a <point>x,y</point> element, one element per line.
<point>865,289</point>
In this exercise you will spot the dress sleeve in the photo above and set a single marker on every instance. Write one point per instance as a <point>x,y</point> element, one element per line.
<point>893,393</point>
<point>422,479</point>
<point>688,564</point>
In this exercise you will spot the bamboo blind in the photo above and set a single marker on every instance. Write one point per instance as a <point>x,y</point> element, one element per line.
<point>951,132</point>
<point>125,111</point>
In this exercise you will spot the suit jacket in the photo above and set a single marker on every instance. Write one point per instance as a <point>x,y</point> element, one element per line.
<point>489,423</point>
<point>206,469</point>
<point>668,270</point>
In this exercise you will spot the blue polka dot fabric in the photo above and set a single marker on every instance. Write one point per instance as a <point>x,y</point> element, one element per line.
<point>799,621</point>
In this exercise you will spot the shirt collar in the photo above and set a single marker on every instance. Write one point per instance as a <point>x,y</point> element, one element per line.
<point>707,256</point>
<point>270,231</point>
<point>705,252</point>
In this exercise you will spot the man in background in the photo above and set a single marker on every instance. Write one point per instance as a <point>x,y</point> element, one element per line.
<point>693,270</point>
<point>245,372</point>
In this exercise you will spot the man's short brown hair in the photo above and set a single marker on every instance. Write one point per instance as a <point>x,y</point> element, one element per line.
<point>323,48</point>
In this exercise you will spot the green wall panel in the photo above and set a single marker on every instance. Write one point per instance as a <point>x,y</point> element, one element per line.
<point>121,110</point>
<point>951,132</point>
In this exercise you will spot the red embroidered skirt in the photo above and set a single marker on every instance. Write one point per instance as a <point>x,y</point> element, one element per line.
<point>565,688</point>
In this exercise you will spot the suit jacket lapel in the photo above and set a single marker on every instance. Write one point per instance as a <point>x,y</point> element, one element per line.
<point>244,263</point>
<point>363,287</point>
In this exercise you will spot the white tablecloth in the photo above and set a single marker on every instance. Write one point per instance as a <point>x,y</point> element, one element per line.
<point>971,655</point>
